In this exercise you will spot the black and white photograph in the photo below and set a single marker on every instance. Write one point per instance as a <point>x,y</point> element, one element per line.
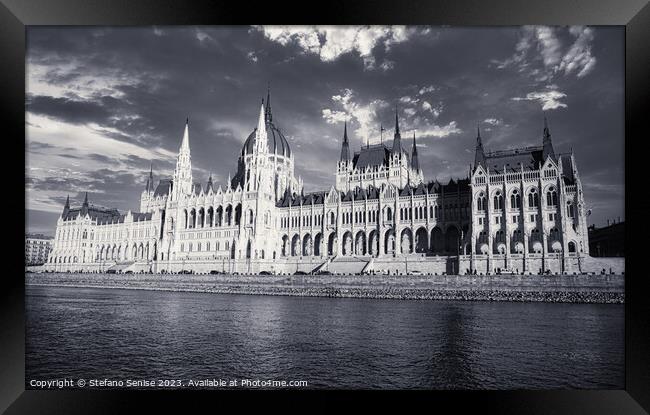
<point>325,207</point>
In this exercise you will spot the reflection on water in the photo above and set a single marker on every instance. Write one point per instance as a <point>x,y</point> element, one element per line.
<point>330,343</point>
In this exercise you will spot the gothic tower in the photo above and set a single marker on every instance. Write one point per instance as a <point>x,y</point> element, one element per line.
<point>183,171</point>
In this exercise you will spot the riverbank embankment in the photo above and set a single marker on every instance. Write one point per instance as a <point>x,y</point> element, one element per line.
<point>603,289</point>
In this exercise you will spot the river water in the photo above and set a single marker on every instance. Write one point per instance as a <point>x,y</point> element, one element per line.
<point>115,334</point>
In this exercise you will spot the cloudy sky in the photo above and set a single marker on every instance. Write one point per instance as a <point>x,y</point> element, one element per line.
<point>105,102</point>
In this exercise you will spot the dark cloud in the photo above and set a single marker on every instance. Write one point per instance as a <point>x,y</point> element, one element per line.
<point>75,112</point>
<point>138,85</point>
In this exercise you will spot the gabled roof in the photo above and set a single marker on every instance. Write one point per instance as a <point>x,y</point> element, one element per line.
<point>567,169</point>
<point>374,155</point>
<point>405,191</point>
<point>317,198</point>
<point>163,188</point>
<point>139,217</point>
<point>529,157</point>
<point>420,190</point>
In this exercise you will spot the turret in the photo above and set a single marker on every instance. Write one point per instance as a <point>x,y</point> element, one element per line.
<point>415,164</point>
<point>149,187</point>
<point>267,113</point>
<point>183,172</point>
<point>397,138</point>
<point>547,143</point>
<point>84,206</point>
<point>345,147</point>
<point>479,156</point>
<point>260,134</point>
<point>66,208</point>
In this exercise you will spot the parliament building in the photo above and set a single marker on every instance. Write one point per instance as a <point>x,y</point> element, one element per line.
<point>519,210</point>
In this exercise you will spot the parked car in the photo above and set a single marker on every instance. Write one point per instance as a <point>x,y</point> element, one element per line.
<point>214,271</point>
<point>265,273</point>
<point>300,273</point>
<point>414,272</point>
<point>323,272</point>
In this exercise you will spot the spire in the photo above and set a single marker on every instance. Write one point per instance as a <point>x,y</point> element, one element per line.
<point>261,122</point>
<point>415,164</point>
<point>396,122</point>
<point>397,140</point>
<point>547,143</point>
<point>209,186</point>
<point>268,115</point>
<point>182,179</point>
<point>345,147</point>
<point>149,186</point>
<point>479,156</point>
<point>261,144</point>
<point>66,208</point>
<point>84,207</point>
<point>185,144</point>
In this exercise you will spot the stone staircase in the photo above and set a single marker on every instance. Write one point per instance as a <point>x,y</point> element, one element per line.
<point>347,264</point>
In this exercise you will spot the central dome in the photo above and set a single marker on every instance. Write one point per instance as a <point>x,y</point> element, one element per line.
<point>275,140</point>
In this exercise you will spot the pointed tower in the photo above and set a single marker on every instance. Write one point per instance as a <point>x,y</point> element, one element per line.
<point>66,208</point>
<point>209,186</point>
<point>84,206</point>
<point>183,171</point>
<point>261,138</point>
<point>479,156</point>
<point>268,115</point>
<point>150,179</point>
<point>415,164</point>
<point>345,147</point>
<point>397,138</point>
<point>547,143</point>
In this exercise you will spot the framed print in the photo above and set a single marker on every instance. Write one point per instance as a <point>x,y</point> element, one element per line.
<point>423,197</point>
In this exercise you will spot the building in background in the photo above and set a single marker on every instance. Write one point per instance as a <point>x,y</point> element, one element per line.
<point>37,248</point>
<point>608,241</point>
<point>521,210</point>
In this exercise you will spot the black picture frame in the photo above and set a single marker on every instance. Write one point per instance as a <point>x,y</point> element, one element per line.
<point>15,15</point>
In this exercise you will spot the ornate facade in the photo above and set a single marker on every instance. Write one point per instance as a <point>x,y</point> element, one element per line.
<point>520,210</point>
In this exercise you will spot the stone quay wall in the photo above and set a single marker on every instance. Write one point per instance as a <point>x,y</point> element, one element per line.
<point>606,288</point>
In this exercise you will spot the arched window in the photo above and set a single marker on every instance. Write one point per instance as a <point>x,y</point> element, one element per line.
<point>480,202</point>
<point>551,197</point>
<point>332,219</point>
<point>534,235</point>
<point>572,247</point>
<point>515,200</point>
<point>569,209</point>
<point>533,198</point>
<point>498,200</point>
<point>389,214</point>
